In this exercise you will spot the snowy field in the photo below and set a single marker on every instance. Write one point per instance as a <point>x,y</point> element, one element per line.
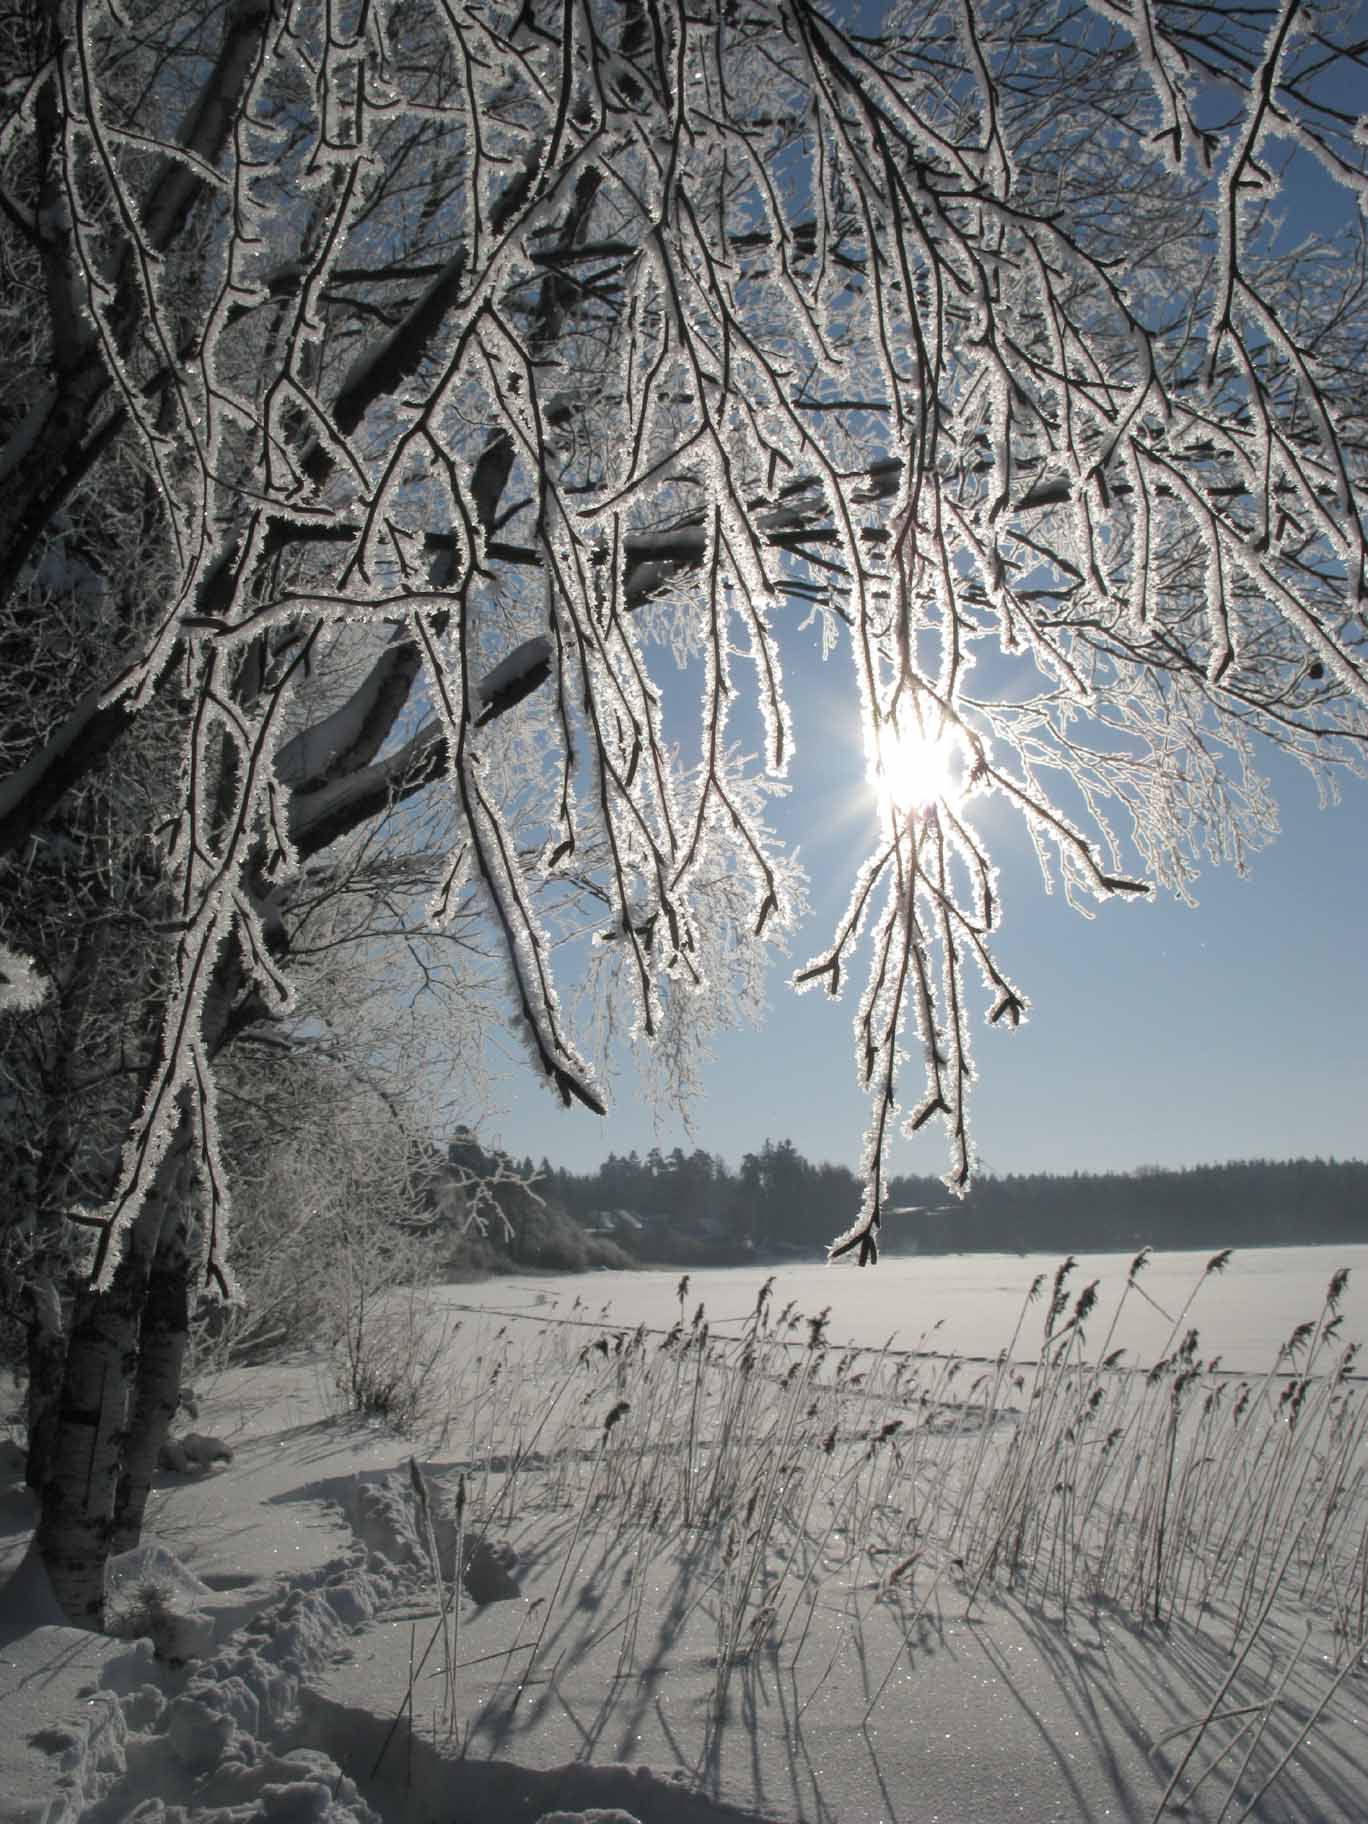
<point>727,1564</point>
<point>969,1303</point>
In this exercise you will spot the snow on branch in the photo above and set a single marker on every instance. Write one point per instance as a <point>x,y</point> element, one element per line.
<point>461,375</point>
<point>22,986</point>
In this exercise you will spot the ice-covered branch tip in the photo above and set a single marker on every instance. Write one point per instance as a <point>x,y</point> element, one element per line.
<point>864,1235</point>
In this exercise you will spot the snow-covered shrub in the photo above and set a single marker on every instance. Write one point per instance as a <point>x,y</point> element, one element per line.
<point>152,1596</point>
<point>321,1170</point>
<point>389,1338</point>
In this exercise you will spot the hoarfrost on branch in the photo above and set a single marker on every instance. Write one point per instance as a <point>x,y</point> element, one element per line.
<point>514,347</point>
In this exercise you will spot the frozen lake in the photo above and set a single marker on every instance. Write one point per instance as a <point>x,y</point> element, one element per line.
<point>968,1304</point>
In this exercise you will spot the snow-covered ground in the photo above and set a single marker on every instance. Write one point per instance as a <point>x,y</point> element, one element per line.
<point>968,1303</point>
<point>795,1651</point>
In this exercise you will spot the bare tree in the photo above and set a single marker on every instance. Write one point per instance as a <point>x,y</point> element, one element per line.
<point>515,347</point>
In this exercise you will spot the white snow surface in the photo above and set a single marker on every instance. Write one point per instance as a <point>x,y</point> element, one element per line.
<point>306,1562</point>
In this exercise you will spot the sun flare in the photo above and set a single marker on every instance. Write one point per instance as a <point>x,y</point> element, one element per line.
<point>918,767</point>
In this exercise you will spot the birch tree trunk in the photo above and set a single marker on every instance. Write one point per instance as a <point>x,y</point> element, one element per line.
<point>163,1343</point>
<point>78,1495</point>
<point>581,363</point>
<point>76,1525</point>
<point>46,1361</point>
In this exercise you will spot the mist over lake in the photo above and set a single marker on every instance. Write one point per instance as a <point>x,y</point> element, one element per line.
<point>969,1304</point>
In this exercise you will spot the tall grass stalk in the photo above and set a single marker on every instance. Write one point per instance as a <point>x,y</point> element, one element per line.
<point>1217,1702</point>
<point>572,1550</point>
<point>1349,1666</point>
<point>767,1469</point>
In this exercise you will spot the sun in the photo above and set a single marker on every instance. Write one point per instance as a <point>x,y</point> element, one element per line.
<point>920,764</point>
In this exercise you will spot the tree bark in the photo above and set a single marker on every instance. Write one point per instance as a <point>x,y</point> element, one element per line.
<point>76,1520</point>
<point>163,1343</point>
<point>46,1358</point>
<point>54,462</point>
<point>78,1493</point>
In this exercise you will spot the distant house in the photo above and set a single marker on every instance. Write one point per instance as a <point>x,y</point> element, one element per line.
<point>905,1235</point>
<point>624,1225</point>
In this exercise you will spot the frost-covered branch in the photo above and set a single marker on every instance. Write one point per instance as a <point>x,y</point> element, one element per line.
<point>469,370</point>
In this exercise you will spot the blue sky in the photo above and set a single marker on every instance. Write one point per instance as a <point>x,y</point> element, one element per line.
<point>1159,1033</point>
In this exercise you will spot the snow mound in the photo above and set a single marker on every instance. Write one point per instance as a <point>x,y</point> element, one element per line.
<point>587,1817</point>
<point>151,1595</point>
<point>250,1688</point>
<point>247,1739</point>
<point>193,1454</point>
<point>488,1571</point>
<point>224,1749</point>
<point>387,1518</point>
<point>259,1786</point>
<point>383,1518</point>
<point>408,1777</point>
<point>64,1737</point>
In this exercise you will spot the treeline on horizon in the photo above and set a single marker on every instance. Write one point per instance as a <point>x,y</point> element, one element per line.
<point>780,1203</point>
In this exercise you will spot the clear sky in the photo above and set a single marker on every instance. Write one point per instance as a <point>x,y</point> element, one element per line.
<point>1158,1033</point>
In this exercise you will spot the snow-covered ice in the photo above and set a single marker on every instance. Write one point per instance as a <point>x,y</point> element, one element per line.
<point>304,1568</point>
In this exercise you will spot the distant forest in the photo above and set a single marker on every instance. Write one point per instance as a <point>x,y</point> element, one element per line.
<point>779,1204</point>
